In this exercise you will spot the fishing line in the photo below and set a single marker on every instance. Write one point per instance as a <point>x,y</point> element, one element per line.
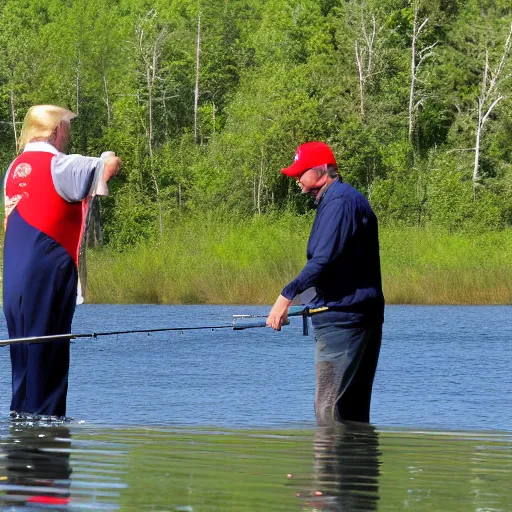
<point>71,336</point>
<point>234,325</point>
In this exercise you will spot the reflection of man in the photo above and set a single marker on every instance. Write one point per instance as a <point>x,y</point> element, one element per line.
<point>346,468</point>
<point>344,267</point>
<point>37,466</point>
<point>44,189</point>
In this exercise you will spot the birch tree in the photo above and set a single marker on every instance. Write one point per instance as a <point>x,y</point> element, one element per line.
<point>490,95</point>
<point>151,39</point>
<point>196,89</point>
<point>108,46</point>
<point>418,57</point>
<point>364,49</point>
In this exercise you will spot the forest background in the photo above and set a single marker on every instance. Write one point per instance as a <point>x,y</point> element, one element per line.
<point>205,101</point>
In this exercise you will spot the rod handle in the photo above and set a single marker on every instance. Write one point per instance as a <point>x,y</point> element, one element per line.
<point>252,325</point>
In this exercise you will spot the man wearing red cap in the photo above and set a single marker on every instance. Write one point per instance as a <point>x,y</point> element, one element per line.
<point>344,268</point>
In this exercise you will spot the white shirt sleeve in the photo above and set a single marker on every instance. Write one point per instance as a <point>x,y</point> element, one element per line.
<point>75,177</point>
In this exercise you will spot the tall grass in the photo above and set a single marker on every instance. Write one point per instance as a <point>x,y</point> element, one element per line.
<point>213,260</point>
<point>421,266</point>
<point>217,260</point>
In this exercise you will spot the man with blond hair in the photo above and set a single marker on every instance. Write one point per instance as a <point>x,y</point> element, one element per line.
<point>45,193</point>
<point>344,269</point>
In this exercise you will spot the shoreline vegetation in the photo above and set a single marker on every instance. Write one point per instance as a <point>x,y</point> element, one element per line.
<point>209,260</point>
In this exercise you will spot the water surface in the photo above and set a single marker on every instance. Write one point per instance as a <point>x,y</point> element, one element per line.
<point>75,467</point>
<point>223,420</point>
<point>440,367</point>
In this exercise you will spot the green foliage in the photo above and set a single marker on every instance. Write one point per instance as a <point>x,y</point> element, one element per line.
<point>451,208</point>
<point>272,75</point>
<point>132,220</point>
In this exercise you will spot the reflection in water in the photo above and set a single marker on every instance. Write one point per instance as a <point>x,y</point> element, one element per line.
<point>35,468</point>
<point>346,468</point>
<point>37,459</point>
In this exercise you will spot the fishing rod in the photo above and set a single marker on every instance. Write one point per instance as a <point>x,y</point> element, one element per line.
<point>292,311</point>
<point>234,325</point>
<point>303,311</point>
<point>72,336</point>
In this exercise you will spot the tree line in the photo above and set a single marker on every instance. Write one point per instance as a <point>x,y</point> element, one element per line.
<point>205,101</point>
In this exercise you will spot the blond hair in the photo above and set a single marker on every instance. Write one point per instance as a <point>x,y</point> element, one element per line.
<point>40,123</point>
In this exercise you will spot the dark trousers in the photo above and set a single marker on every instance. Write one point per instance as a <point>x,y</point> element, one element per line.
<point>346,360</point>
<point>40,378</point>
<point>39,289</point>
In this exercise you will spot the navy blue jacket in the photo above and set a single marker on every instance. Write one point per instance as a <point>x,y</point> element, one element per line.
<point>343,258</point>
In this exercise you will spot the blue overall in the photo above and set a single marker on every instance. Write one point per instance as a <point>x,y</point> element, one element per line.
<point>44,189</point>
<point>39,293</point>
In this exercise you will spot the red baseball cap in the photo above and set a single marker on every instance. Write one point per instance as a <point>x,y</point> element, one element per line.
<point>309,155</point>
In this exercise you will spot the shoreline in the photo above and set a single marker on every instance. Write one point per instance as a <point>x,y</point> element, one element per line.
<point>225,261</point>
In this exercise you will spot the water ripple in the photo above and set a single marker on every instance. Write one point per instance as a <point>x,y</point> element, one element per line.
<point>351,467</point>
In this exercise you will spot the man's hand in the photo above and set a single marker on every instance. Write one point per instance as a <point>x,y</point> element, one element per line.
<point>279,313</point>
<point>111,166</point>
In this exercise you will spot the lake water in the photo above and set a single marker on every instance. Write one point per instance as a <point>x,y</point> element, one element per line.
<point>223,420</point>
